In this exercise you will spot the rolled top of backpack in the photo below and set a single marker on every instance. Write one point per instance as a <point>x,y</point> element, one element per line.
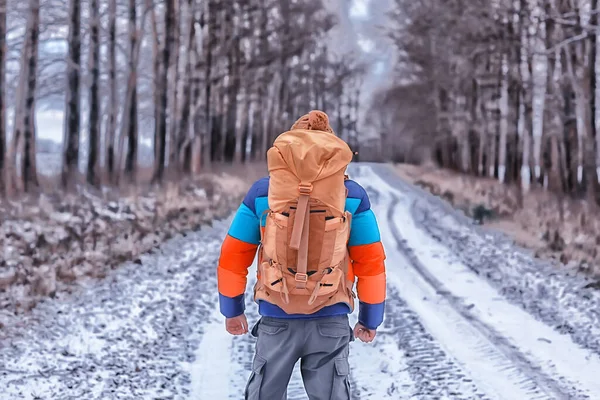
<point>303,157</point>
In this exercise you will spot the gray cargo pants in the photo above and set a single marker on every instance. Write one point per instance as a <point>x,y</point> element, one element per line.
<point>322,346</point>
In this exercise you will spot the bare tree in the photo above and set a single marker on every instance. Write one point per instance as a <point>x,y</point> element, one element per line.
<point>174,87</point>
<point>596,83</point>
<point>156,81</point>
<point>219,81</point>
<point>132,109</point>
<point>94,120</point>
<point>210,38</point>
<point>160,145</point>
<point>112,86</point>
<point>73,108</point>
<point>11,182</point>
<point>524,72</point>
<point>28,158</point>
<point>23,137</point>
<point>2,92</point>
<point>184,128</point>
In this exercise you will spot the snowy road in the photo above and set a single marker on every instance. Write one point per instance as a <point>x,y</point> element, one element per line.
<point>468,316</point>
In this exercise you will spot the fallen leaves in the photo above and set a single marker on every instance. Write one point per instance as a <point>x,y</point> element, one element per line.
<point>53,242</point>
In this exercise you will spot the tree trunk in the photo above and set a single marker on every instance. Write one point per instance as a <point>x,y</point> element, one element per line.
<point>3,48</point>
<point>72,112</point>
<point>270,112</point>
<point>164,93</point>
<point>284,95</point>
<point>492,135</point>
<point>196,118</point>
<point>174,141</point>
<point>233,124</point>
<point>503,119</point>
<point>185,119</point>
<point>225,85</point>
<point>596,85</point>
<point>131,110</point>
<point>241,128</point>
<point>156,82</point>
<point>522,128</point>
<point>94,120</point>
<point>113,93</point>
<point>28,167</point>
<point>579,76</point>
<point>260,48</point>
<point>555,127</point>
<point>539,81</point>
<point>11,183</point>
<point>210,39</point>
<point>248,129</point>
<point>129,116</point>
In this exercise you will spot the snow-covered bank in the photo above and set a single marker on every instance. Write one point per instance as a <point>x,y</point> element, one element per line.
<point>556,227</point>
<point>50,244</point>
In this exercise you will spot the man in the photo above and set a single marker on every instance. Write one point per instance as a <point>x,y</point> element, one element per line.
<point>319,339</point>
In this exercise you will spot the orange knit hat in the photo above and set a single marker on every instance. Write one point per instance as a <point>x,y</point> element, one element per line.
<point>315,120</point>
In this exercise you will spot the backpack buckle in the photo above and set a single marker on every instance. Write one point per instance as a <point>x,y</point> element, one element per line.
<point>305,188</point>
<point>300,277</point>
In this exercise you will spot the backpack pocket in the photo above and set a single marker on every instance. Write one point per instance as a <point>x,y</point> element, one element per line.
<point>335,242</point>
<point>271,276</point>
<point>330,282</point>
<point>275,237</point>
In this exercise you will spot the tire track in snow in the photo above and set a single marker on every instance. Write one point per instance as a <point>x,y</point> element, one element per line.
<point>379,370</point>
<point>506,356</point>
<point>434,373</point>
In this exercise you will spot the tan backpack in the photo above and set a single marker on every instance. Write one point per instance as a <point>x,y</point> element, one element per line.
<point>303,257</point>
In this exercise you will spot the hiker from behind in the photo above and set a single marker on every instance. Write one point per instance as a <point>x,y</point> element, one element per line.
<point>316,235</point>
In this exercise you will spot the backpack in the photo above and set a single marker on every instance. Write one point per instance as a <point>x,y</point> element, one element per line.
<point>303,256</point>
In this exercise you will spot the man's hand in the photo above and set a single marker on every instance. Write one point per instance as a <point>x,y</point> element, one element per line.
<point>237,325</point>
<point>364,334</point>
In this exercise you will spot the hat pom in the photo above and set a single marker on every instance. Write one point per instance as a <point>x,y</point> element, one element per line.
<point>318,121</point>
<point>315,121</point>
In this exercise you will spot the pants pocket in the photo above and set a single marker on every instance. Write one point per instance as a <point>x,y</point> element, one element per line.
<point>271,327</point>
<point>337,330</point>
<point>254,385</point>
<point>341,380</point>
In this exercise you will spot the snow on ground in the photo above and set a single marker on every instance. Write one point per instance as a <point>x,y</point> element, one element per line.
<point>510,329</point>
<point>125,337</point>
<point>153,330</point>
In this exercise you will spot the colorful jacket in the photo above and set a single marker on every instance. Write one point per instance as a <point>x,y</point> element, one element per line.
<point>366,253</point>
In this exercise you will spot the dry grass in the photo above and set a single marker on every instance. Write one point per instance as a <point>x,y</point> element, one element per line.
<point>255,170</point>
<point>50,240</point>
<point>554,226</point>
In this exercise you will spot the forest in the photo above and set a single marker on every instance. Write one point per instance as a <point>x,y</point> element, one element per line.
<point>207,81</point>
<point>503,88</point>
